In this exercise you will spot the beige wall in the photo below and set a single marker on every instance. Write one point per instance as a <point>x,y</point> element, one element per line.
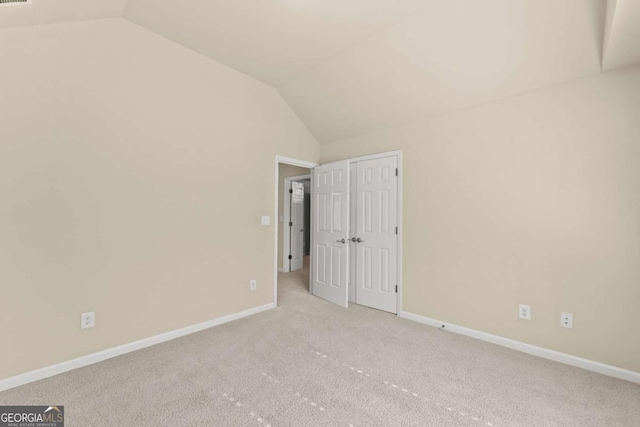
<point>534,199</point>
<point>285,171</point>
<point>124,188</point>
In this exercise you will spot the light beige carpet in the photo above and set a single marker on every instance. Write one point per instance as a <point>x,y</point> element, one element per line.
<point>311,363</point>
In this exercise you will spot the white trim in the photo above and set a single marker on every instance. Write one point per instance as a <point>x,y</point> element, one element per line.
<point>49,371</point>
<point>294,162</point>
<point>312,225</point>
<point>376,156</point>
<point>286,218</point>
<point>545,353</point>
<point>298,178</point>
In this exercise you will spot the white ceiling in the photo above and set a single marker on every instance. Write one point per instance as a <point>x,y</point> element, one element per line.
<point>49,11</point>
<point>348,67</point>
<point>622,39</point>
<point>450,55</point>
<point>271,40</point>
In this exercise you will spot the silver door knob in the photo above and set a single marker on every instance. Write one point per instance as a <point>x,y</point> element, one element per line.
<point>341,241</point>
<point>353,239</point>
<point>359,240</point>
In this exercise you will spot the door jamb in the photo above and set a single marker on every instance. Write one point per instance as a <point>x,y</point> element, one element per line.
<point>286,218</point>
<point>288,161</point>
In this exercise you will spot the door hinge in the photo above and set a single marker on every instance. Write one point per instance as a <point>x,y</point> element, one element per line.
<point>396,171</point>
<point>396,289</point>
<point>291,191</point>
<point>291,257</point>
<point>396,230</point>
<point>290,224</point>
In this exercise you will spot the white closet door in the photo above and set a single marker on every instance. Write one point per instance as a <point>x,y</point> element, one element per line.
<point>330,195</point>
<point>297,225</point>
<point>376,222</point>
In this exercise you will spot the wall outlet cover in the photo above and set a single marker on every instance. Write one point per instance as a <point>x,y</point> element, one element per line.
<point>87,320</point>
<point>566,320</point>
<point>266,220</point>
<point>524,312</point>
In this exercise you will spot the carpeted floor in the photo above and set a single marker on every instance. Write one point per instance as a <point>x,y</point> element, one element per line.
<point>311,363</point>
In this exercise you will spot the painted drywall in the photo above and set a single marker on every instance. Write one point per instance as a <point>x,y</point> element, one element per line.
<point>269,40</point>
<point>534,199</point>
<point>133,175</point>
<point>42,12</point>
<point>285,171</point>
<point>621,47</point>
<point>447,56</point>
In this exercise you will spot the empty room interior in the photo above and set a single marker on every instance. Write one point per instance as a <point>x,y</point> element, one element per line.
<point>320,213</point>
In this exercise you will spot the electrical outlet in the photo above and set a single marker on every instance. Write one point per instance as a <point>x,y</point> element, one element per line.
<point>253,285</point>
<point>87,320</point>
<point>524,312</point>
<point>566,320</point>
<point>266,220</point>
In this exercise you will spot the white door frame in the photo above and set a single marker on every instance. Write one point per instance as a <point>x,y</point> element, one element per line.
<point>288,161</point>
<point>311,165</point>
<point>286,218</point>
<point>398,154</point>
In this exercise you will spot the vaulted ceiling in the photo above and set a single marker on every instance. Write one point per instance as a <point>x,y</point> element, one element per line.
<point>348,67</point>
<point>271,40</point>
<point>622,34</point>
<point>50,11</point>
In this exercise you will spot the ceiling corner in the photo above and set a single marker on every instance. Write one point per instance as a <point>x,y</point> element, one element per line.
<point>608,26</point>
<point>125,9</point>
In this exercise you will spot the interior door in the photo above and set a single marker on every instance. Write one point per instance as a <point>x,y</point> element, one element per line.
<point>330,264</point>
<point>297,226</point>
<point>376,233</point>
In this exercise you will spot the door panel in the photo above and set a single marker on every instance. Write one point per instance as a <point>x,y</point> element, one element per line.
<point>330,265</point>
<point>297,225</point>
<point>376,221</point>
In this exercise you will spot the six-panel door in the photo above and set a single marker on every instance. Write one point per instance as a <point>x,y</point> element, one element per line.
<point>376,220</point>
<point>330,263</point>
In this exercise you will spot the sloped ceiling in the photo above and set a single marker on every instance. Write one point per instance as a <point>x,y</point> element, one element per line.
<point>450,55</point>
<point>622,37</point>
<point>271,40</point>
<point>49,11</point>
<point>348,67</point>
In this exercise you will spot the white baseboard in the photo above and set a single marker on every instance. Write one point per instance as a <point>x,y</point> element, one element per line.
<point>90,359</point>
<point>545,353</point>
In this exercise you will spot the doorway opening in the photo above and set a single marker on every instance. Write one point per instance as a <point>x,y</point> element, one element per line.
<point>294,216</point>
<point>356,229</point>
<point>292,224</point>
